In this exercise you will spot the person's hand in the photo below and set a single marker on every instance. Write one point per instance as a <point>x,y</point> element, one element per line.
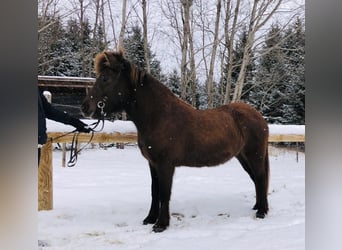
<point>84,128</point>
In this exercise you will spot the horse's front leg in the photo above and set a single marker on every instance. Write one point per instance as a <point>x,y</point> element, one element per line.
<point>154,210</point>
<point>165,176</point>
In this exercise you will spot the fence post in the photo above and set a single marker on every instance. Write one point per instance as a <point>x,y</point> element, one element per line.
<point>45,190</point>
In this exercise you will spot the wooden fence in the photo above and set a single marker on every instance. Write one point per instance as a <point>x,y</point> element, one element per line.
<point>62,81</point>
<point>45,179</point>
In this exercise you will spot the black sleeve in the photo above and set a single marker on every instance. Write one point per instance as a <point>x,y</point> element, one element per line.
<point>59,116</point>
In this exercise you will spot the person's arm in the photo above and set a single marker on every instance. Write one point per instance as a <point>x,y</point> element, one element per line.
<point>63,117</point>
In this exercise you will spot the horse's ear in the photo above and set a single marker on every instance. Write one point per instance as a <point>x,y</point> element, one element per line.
<point>102,60</point>
<point>121,51</point>
<point>107,61</point>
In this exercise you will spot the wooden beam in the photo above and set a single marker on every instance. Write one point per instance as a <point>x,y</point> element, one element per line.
<point>58,81</point>
<point>98,137</point>
<point>286,138</point>
<point>132,137</point>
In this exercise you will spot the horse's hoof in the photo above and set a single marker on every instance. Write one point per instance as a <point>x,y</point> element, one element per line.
<point>148,220</point>
<point>158,229</point>
<point>260,215</point>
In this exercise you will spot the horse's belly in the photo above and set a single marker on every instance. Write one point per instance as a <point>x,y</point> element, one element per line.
<point>199,159</point>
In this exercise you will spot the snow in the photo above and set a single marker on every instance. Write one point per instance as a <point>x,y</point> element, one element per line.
<point>109,126</point>
<point>101,202</point>
<point>287,129</point>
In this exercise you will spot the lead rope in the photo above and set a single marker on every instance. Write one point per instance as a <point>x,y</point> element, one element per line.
<point>73,149</point>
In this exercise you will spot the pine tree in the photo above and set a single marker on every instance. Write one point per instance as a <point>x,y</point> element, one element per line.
<point>174,83</point>
<point>99,39</point>
<point>68,51</point>
<point>294,49</point>
<point>50,41</point>
<point>80,48</point>
<point>134,51</point>
<point>278,91</point>
<point>268,91</point>
<point>134,48</point>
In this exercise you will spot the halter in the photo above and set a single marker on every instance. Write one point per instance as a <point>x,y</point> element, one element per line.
<point>101,105</point>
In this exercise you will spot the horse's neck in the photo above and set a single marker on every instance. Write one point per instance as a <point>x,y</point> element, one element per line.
<point>150,98</point>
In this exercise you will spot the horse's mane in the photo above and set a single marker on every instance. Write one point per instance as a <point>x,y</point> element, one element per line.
<point>136,73</point>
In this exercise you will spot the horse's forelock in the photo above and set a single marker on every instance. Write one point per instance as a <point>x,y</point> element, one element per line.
<point>101,61</point>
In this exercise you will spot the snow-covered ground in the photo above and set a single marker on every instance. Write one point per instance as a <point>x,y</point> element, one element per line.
<point>101,202</point>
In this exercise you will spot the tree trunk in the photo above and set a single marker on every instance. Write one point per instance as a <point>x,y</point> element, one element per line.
<point>192,70</point>
<point>186,4</point>
<point>210,80</point>
<point>103,21</point>
<point>123,24</point>
<point>112,24</point>
<point>82,37</point>
<point>259,16</point>
<point>229,42</point>
<point>94,46</point>
<point>147,58</point>
<point>121,39</point>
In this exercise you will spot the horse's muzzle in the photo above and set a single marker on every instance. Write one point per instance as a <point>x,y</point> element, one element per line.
<point>86,110</point>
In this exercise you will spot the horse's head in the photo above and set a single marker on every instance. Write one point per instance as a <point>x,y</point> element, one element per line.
<point>112,89</point>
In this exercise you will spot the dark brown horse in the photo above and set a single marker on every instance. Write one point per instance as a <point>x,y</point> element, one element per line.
<point>172,133</point>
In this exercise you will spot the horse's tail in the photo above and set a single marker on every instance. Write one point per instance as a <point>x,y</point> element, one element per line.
<point>267,170</point>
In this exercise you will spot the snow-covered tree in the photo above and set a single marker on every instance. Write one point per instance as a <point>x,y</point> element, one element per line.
<point>294,50</point>
<point>174,83</point>
<point>69,50</point>
<point>134,49</point>
<point>278,90</point>
<point>50,43</point>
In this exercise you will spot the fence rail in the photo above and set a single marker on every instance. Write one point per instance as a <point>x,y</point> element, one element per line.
<point>62,81</point>
<point>97,137</point>
<point>132,137</point>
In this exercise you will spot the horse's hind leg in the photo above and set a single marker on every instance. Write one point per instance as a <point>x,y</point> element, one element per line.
<point>257,166</point>
<point>244,163</point>
<point>261,167</point>
<point>246,166</point>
